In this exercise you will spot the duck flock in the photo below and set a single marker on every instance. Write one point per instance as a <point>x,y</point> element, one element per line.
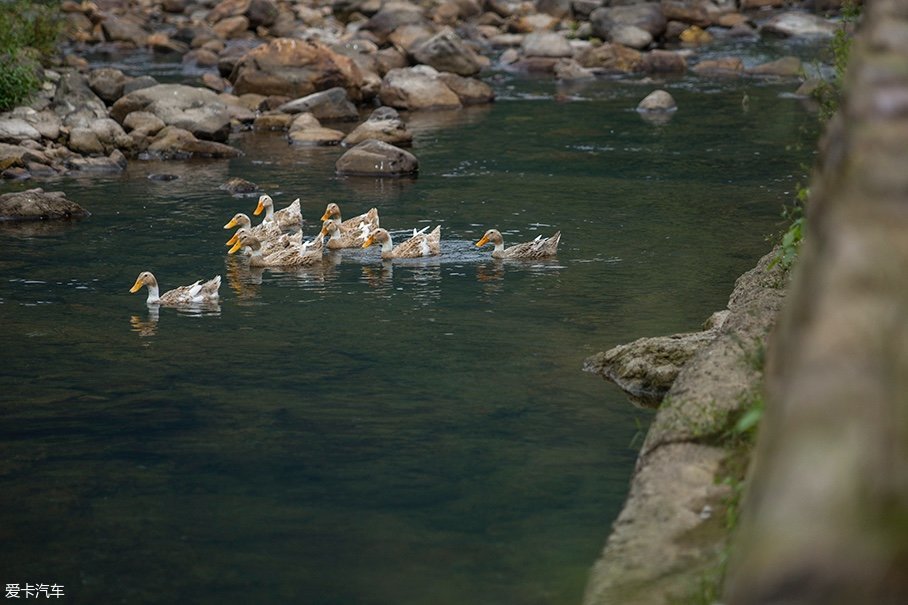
<point>278,242</point>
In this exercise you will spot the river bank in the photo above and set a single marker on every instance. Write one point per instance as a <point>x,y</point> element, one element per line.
<point>289,67</point>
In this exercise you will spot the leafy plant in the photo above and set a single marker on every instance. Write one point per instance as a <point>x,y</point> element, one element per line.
<point>28,33</point>
<point>794,235</point>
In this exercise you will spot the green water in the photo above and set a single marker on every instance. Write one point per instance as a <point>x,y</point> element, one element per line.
<point>406,433</point>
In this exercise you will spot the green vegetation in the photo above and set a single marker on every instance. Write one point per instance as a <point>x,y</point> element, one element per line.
<point>829,95</point>
<point>28,34</point>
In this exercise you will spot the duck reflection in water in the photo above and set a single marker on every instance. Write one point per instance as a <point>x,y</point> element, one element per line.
<point>244,280</point>
<point>379,277</point>
<point>149,326</point>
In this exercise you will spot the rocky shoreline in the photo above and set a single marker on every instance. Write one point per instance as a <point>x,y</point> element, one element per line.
<point>292,66</point>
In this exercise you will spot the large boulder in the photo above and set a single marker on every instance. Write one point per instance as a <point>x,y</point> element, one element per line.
<point>101,137</point>
<point>470,91</point>
<point>447,52</point>
<point>38,205</point>
<point>377,158</point>
<point>383,125</point>
<point>331,104</point>
<point>127,29</point>
<point>546,44</point>
<point>295,68</point>
<point>197,110</point>
<point>417,88</point>
<point>392,15</point>
<point>107,83</point>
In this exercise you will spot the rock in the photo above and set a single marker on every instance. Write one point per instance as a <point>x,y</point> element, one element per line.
<point>556,8</point>
<point>331,104</point>
<point>658,100</point>
<point>124,29</point>
<point>195,109</point>
<point>138,83</point>
<point>417,88</point>
<point>726,66</point>
<point>46,122</point>
<point>391,16</point>
<point>306,130</point>
<point>570,70</point>
<point>238,186</point>
<point>176,143</point>
<point>76,103</point>
<point>231,27</point>
<point>794,24</point>
<point>695,36</point>
<point>115,162</point>
<point>16,130</point>
<point>646,16</point>
<point>447,52</point>
<point>143,121</point>
<point>100,137</point>
<point>646,368</point>
<point>214,82</point>
<point>262,13</point>
<point>273,120</point>
<point>174,6</point>
<point>162,44</point>
<point>611,58</point>
<point>470,91</point>
<point>38,205</point>
<point>383,125</point>
<point>526,24</point>
<point>409,37</point>
<point>295,68</point>
<point>226,9</point>
<point>107,83</point>
<point>630,36</point>
<point>584,8</point>
<point>15,174</point>
<point>664,61</point>
<point>546,44</point>
<point>701,13</point>
<point>786,67</point>
<point>376,158</point>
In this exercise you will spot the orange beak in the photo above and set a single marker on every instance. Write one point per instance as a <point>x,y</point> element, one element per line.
<point>368,242</point>
<point>232,240</point>
<point>326,216</point>
<point>235,247</point>
<point>259,208</point>
<point>231,224</point>
<point>482,242</point>
<point>136,286</point>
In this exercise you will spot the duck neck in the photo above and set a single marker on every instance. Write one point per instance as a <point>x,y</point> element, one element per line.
<point>154,294</point>
<point>499,246</point>
<point>387,246</point>
<point>269,213</point>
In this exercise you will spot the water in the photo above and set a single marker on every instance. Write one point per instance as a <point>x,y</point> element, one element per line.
<point>366,432</point>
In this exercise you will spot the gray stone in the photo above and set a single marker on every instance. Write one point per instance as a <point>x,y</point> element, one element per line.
<point>307,130</point>
<point>470,91</point>
<point>195,109</point>
<point>38,205</point>
<point>115,162</point>
<point>795,24</point>
<point>376,158</point>
<point>75,103</point>
<point>447,52</point>
<point>331,104</point>
<point>138,83</point>
<point>546,44</point>
<point>658,100</point>
<point>124,29</point>
<point>107,83</point>
<point>631,36</point>
<point>176,143</point>
<point>570,70</point>
<point>143,121</point>
<point>16,130</point>
<point>417,88</point>
<point>647,16</point>
<point>383,125</point>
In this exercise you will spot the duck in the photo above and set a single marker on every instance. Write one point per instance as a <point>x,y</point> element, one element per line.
<point>196,293</point>
<point>286,219</point>
<point>420,244</point>
<point>270,243</point>
<point>262,230</point>
<point>292,255</point>
<point>333,213</point>
<point>338,238</point>
<point>541,247</point>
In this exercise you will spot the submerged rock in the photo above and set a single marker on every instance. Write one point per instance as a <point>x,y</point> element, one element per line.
<point>658,100</point>
<point>331,104</point>
<point>38,205</point>
<point>176,143</point>
<point>796,24</point>
<point>307,130</point>
<point>238,186</point>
